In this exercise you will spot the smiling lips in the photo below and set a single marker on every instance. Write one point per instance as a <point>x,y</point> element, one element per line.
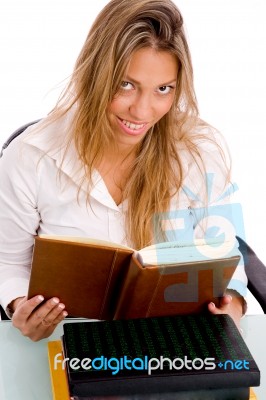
<point>132,128</point>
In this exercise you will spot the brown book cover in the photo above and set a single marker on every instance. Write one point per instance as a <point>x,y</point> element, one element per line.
<point>102,281</point>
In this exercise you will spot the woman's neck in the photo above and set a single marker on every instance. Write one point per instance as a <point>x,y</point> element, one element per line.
<point>115,169</point>
<point>121,156</point>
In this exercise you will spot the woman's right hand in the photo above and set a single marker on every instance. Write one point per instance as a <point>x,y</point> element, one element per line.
<point>34,320</point>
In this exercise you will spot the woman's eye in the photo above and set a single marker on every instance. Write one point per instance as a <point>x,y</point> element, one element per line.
<point>165,89</point>
<point>126,85</point>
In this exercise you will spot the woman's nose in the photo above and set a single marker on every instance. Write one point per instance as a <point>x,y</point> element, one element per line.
<point>141,108</point>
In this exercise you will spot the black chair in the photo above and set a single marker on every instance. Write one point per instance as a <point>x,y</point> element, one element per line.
<point>17,133</point>
<point>256,273</point>
<point>255,269</point>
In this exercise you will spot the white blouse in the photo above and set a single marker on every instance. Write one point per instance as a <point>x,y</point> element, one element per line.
<point>39,180</point>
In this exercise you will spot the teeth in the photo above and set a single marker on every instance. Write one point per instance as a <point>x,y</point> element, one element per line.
<point>132,126</point>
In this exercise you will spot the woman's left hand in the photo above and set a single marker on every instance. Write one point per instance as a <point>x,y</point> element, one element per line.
<point>229,304</point>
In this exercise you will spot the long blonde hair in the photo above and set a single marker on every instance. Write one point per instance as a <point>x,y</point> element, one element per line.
<point>120,29</point>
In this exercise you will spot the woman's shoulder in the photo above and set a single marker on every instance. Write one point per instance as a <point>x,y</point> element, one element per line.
<point>203,143</point>
<point>48,141</point>
<point>201,134</point>
<point>44,136</point>
<point>205,159</point>
<point>50,134</point>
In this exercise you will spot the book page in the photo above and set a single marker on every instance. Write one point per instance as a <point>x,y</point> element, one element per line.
<point>180,252</point>
<point>85,240</point>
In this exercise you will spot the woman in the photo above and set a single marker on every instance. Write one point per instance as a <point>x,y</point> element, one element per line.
<point>120,147</point>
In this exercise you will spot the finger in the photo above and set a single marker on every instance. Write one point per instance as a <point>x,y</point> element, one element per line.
<point>225,300</point>
<point>217,310</point>
<point>25,309</point>
<point>212,308</point>
<point>59,318</point>
<point>41,332</point>
<point>44,331</point>
<point>44,310</point>
<point>53,316</point>
<point>223,305</point>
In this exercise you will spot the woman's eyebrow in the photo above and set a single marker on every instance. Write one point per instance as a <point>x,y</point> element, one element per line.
<point>171,82</point>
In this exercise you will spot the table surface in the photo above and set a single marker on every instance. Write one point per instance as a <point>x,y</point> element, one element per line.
<point>24,372</point>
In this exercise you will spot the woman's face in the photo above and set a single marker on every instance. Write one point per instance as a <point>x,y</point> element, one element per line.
<point>146,94</point>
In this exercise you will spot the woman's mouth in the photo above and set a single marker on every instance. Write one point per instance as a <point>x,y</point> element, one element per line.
<point>132,128</point>
<point>132,125</point>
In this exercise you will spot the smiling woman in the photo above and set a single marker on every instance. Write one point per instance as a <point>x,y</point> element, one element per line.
<point>122,150</point>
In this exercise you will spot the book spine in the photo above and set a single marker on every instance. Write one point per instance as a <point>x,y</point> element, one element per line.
<point>58,376</point>
<point>136,292</point>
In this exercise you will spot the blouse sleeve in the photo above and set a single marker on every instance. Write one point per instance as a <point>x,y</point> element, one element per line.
<point>19,218</point>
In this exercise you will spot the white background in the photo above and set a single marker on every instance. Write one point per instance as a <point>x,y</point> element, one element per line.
<point>40,40</point>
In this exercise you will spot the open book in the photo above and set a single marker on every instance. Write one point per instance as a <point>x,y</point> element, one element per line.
<point>102,280</point>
